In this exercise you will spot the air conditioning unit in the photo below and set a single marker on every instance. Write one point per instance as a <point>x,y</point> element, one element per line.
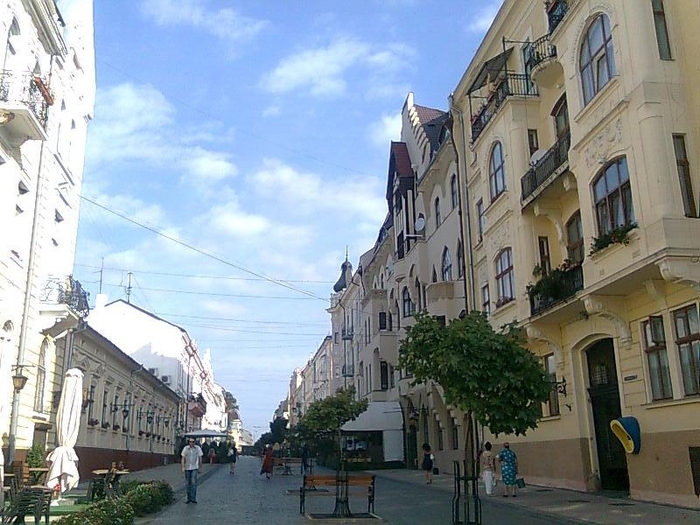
<point>153,371</point>
<point>166,379</point>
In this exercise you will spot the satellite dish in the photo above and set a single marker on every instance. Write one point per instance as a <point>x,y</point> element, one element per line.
<point>420,223</point>
<point>536,156</point>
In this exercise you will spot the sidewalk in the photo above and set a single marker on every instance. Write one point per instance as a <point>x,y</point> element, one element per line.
<point>580,507</point>
<point>172,474</point>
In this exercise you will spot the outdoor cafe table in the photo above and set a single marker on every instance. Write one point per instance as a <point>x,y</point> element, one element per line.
<point>111,487</point>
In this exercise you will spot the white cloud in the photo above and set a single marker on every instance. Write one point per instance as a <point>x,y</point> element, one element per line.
<point>272,111</point>
<point>322,71</point>
<point>137,123</point>
<point>388,128</point>
<point>237,223</point>
<point>226,23</point>
<point>210,166</point>
<point>484,16</point>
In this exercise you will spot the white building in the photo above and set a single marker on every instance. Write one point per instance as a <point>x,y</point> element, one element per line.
<point>47,92</point>
<point>169,353</point>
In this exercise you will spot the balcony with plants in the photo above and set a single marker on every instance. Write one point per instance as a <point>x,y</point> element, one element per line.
<point>553,287</point>
<point>24,102</point>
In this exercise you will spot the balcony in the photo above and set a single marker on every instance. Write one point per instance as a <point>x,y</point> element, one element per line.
<point>64,304</point>
<point>545,171</point>
<point>559,285</point>
<point>510,84</point>
<point>556,12</point>
<point>545,69</point>
<point>24,102</point>
<point>196,405</point>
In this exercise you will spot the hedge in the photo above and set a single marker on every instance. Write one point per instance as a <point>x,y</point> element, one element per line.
<point>140,498</point>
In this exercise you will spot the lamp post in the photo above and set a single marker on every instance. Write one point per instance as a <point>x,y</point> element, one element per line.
<point>19,380</point>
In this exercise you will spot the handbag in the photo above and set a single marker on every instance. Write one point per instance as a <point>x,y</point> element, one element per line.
<point>520,482</point>
<point>436,471</point>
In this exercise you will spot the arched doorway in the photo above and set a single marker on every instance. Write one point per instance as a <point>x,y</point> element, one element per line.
<point>605,404</point>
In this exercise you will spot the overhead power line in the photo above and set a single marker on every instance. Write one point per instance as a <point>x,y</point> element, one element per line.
<point>202,252</point>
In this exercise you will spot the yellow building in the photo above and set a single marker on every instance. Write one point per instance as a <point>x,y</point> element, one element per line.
<point>576,126</point>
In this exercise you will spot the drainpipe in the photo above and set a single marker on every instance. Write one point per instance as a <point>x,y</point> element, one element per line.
<point>14,414</point>
<point>464,211</point>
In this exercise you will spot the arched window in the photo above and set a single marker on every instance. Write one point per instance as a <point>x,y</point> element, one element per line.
<point>460,259</point>
<point>596,62</point>
<point>574,239</point>
<point>613,197</point>
<point>434,275</point>
<point>504,276</point>
<point>446,265</point>
<point>454,191</point>
<point>497,172</point>
<point>438,218</point>
<point>407,303</point>
<point>40,379</point>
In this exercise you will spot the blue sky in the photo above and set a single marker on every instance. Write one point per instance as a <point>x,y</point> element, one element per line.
<point>255,137</point>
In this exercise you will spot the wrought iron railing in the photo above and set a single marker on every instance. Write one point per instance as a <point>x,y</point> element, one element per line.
<point>539,51</point>
<point>24,88</point>
<point>512,84</point>
<point>555,157</point>
<point>568,284</point>
<point>68,291</point>
<point>556,11</point>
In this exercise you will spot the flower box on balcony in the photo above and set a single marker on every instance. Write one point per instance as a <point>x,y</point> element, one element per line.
<point>93,422</point>
<point>116,427</point>
<point>105,424</point>
<point>503,301</point>
<point>141,433</point>
<point>618,235</point>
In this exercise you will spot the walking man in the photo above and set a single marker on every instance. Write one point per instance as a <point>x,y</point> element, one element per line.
<point>191,466</point>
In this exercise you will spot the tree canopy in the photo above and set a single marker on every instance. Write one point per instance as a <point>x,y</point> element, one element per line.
<point>327,415</point>
<point>488,373</point>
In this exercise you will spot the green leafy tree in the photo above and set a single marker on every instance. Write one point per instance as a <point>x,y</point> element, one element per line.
<point>321,423</point>
<point>483,372</point>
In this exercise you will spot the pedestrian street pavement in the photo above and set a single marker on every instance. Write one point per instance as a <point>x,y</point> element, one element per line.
<point>248,498</point>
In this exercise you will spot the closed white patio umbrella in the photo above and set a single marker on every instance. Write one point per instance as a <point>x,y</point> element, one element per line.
<point>64,468</point>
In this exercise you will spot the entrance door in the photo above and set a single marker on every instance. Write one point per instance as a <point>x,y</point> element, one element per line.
<point>605,402</point>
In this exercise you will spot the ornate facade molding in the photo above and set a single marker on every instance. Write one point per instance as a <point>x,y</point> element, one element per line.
<point>537,334</point>
<point>596,305</point>
<point>681,270</point>
<point>553,213</point>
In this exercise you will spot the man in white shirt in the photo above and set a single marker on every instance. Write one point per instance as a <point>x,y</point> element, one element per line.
<point>191,466</point>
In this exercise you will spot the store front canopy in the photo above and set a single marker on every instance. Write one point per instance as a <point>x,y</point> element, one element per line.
<point>380,415</point>
<point>204,433</point>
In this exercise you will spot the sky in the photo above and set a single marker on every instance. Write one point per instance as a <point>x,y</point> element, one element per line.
<point>239,148</point>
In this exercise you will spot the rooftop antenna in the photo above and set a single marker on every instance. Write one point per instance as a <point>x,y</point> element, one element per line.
<point>128,289</point>
<point>102,267</point>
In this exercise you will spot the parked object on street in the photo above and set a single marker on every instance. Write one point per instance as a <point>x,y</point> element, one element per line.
<point>344,486</point>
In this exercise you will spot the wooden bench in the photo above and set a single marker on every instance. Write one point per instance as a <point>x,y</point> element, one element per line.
<point>359,485</point>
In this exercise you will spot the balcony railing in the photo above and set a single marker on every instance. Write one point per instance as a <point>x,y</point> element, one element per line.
<point>539,51</point>
<point>27,90</point>
<point>67,291</point>
<point>512,84</point>
<point>550,162</point>
<point>566,285</point>
<point>556,11</point>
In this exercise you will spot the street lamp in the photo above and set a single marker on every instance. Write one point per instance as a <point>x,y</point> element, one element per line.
<point>19,379</point>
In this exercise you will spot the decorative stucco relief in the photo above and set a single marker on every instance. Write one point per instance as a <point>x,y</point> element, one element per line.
<point>537,334</point>
<point>595,306</point>
<point>598,151</point>
<point>500,238</point>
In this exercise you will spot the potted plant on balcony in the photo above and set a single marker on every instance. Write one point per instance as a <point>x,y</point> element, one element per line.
<point>116,427</point>
<point>93,422</point>
<point>141,433</point>
<point>551,285</point>
<point>105,424</point>
<point>125,429</point>
<point>618,235</point>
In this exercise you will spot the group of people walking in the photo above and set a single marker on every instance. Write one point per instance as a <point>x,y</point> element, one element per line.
<point>487,464</point>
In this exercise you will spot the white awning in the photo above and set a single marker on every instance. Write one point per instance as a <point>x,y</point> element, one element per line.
<point>380,415</point>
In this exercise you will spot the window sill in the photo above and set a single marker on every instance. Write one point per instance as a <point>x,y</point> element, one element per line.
<point>597,99</point>
<point>546,419</point>
<point>663,403</point>
<point>632,237</point>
